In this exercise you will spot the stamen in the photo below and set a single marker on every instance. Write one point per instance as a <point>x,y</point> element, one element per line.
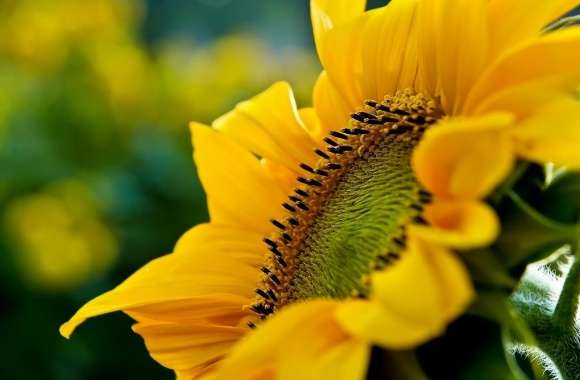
<point>262,293</point>
<point>302,206</point>
<point>309,182</point>
<point>419,119</point>
<point>322,172</point>
<point>321,154</point>
<point>416,207</point>
<point>340,149</point>
<point>282,262</point>
<point>272,295</point>
<point>400,112</point>
<point>339,135</point>
<point>301,192</point>
<point>275,251</point>
<point>388,119</point>
<point>359,131</point>
<point>400,242</point>
<point>330,141</point>
<point>314,182</point>
<point>400,130</point>
<point>367,116</point>
<point>278,224</point>
<point>294,199</point>
<point>420,220</point>
<point>307,168</point>
<point>274,279</point>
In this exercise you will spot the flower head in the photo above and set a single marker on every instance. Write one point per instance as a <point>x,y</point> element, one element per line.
<point>334,228</point>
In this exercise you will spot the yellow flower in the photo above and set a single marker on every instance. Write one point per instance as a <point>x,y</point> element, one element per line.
<point>446,95</point>
<point>53,26</point>
<point>226,68</point>
<point>61,238</point>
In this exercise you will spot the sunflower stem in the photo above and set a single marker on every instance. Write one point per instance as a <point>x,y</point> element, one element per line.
<point>568,302</point>
<point>529,236</point>
<point>509,183</point>
<point>568,230</point>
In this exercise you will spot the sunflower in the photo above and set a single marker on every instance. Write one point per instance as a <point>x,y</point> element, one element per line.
<point>336,228</point>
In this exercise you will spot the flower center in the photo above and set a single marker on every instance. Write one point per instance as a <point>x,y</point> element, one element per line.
<point>347,216</point>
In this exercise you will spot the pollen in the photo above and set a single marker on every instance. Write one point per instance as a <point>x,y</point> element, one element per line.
<point>347,214</point>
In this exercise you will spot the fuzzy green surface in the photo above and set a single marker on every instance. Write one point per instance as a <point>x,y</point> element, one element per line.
<point>357,224</point>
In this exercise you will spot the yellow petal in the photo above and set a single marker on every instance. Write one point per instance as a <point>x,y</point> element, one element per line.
<point>213,309</point>
<point>269,125</point>
<point>329,353</point>
<point>465,157</point>
<point>302,341</point>
<point>461,225</point>
<point>187,347</point>
<point>285,178</point>
<point>370,56</point>
<point>454,47</point>
<point>373,322</point>
<point>389,52</point>
<point>341,57</point>
<point>312,123</point>
<point>409,289</point>
<point>514,21</point>
<point>412,301</point>
<point>240,191</point>
<point>456,289</point>
<point>240,244</point>
<point>332,109</point>
<point>551,135</point>
<point>328,14</point>
<point>202,279</point>
<point>201,373</point>
<point>551,57</point>
<point>525,99</point>
<point>429,19</point>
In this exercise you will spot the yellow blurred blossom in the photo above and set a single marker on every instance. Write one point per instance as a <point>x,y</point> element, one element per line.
<point>42,31</point>
<point>201,81</point>
<point>61,239</point>
<point>124,73</point>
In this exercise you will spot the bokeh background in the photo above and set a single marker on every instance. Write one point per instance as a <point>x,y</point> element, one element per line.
<point>96,175</point>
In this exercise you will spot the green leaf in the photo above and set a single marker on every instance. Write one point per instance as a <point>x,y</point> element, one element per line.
<point>563,23</point>
<point>528,235</point>
<point>561,200</point>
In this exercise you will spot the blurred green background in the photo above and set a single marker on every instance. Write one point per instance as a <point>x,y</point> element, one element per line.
<point>96,176</point>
